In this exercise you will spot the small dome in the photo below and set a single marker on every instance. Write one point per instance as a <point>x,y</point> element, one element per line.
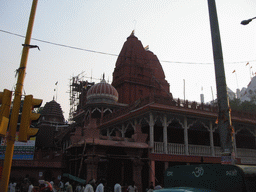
<point>102,92</point>
<point>52,111</point>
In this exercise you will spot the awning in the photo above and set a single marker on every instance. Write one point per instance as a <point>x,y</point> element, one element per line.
<point>74,178</point>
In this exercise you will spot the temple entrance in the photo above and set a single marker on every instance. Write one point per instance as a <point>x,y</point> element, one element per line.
<point>117,168</point>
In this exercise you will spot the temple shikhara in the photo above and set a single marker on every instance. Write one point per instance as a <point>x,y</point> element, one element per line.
<point>132,129</point>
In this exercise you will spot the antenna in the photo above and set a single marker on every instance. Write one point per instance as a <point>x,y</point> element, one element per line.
<point>202,96</point>
<point>212,94</point>
<point>56,90</point>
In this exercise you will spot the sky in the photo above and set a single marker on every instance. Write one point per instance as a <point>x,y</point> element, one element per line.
<point>84,37</point>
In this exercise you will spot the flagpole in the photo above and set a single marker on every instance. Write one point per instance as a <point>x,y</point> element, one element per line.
<point>212,95</point>
<point>236,78</point>
<point>249,70</point>
<point>184,90</point>
<point>56,89</point>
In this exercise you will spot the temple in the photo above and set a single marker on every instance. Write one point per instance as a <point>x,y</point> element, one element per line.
<point>133,129</point>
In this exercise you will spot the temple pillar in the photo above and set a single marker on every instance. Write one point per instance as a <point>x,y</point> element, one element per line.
<point>186,135</point>
<point>164,123</point>
<point>152,172</point>
<point>151,132</point>
<point>211,140</point>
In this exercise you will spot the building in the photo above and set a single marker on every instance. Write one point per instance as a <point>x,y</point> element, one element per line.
<point>41,158</point>
<point>134,129</point>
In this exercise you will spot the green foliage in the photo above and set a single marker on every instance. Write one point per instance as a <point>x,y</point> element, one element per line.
<point>246,106</point>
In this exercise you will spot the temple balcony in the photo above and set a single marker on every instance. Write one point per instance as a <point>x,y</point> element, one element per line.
<point>247,156</point>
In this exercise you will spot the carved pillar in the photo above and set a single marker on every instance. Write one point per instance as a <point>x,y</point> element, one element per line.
<point>165,134</point>
<point>151,132</point>
<point>186,135</point>
<point>211,140</point>
<point>152,172</point>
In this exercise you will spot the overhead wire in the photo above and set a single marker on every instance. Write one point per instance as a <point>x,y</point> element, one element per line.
<point>111,54</point>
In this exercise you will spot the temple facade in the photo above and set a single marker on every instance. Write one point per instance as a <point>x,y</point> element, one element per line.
<point>133,129</point>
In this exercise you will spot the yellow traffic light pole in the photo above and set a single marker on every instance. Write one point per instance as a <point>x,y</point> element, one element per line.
<point>16,104</point>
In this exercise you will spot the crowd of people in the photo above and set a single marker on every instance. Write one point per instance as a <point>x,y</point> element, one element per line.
<point>32,185</point>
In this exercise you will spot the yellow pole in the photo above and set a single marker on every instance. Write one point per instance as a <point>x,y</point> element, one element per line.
<point>16,104</point>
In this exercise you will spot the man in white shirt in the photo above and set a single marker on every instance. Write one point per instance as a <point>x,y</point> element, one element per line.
<point>117,188</point>
<point>12,186</point>
<point>89,186</point>
<point>100,187</point>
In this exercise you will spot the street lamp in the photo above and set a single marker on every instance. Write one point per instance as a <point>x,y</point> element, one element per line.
<point>245,22</point>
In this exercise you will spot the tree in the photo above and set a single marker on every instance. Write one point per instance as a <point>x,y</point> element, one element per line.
<point>246,106</point>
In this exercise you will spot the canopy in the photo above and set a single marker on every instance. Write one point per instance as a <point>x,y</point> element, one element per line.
<point>74,178</point>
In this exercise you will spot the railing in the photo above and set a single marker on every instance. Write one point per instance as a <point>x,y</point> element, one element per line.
<point>175,148</point>
<point>199,150</point>
<point>177,103</point>
<point>248,156</point>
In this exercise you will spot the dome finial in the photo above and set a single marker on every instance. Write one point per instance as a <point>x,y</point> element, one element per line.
<point>132,32</point>
<point>104,76</point>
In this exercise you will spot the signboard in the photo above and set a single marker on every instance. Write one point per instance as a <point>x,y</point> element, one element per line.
<point>22,150</point>
<point>217,177</point>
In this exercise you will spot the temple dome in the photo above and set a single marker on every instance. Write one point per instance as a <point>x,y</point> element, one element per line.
<point>52,112</point>
<point>102,92</point>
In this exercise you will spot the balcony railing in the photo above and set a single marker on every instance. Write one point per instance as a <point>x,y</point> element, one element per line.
<point>168,101</point>
<point>248,156</point>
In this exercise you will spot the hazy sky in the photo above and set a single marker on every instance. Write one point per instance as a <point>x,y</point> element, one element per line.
<point>177,32</point>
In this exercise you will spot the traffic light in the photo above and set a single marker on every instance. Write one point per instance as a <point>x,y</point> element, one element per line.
<point>25,131</point>
<point>5,101</point>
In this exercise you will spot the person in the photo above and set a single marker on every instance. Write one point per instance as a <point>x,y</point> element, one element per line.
<point>36,187</point>
<point>61,185</point>
<point>158,186</point>
<point>100,187</point>
<point>30,187</point>
<point>45,186</point>
<point>52,183</point>
<point>26,183</point>
<point>78,187</point>
<point>151,187</point>
<point>12,185</point>
<point>132,187</point>
<point>68,187</point>
<point>117,187</point>
<point>90,185</point>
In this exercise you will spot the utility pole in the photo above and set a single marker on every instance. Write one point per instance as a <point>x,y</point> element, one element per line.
<point>224,117</point>
<point>16,103</point>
